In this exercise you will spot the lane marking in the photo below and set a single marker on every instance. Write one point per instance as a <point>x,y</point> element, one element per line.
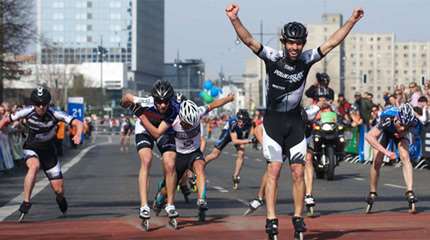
<point>395,186</point>
<point>246,203</point>
<point>220,189</point>
<point>359,179</point>
<point>258,160</point>
<point>13,205</point>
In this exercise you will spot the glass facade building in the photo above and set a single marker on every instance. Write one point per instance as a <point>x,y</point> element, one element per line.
<point>128,31</point>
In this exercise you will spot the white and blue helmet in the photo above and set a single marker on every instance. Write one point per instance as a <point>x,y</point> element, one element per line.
<point>406,114</point>
<point>189,112</point>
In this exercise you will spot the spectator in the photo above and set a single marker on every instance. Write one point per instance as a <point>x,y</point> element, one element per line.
<point>343,106</point>
<point>392,101</point>
<point>320,88</point>
<point>423,105</point>
<point>374,115</point>
<point>414,94</point>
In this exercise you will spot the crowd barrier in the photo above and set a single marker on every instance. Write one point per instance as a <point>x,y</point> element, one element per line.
<point>419,146</point>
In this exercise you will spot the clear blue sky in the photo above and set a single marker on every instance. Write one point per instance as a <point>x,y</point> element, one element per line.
<point>200,28</point>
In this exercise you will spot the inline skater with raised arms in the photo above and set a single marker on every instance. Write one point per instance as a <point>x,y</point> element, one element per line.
<point>283,127</point>
<point>39,147</point>
<point>394,124</point>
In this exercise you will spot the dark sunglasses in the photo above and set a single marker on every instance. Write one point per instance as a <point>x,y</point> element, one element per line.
<point>159,101</point>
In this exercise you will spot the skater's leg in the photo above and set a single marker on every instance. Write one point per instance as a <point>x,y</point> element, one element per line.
<point>309,173</point>
<point>169,158</point>
<point>374,170</point>
<point>213,155</point>
<point>406,164</point>
<point>33,165</point>
<point>273,172</point>
<point>297,173</point>
<point>199,170</point>
<point>239,160</point>
<point>145,155</point>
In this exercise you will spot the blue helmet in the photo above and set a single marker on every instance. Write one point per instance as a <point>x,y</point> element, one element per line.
<point>406,114</point>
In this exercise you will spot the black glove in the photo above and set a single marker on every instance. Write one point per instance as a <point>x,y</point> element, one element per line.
<point>253,140</point>
<point>136,109</point>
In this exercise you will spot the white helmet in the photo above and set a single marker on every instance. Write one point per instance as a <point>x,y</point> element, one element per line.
<point>189,112</point>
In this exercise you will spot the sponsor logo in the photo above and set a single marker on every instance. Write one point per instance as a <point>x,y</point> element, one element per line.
<point>297,77</point>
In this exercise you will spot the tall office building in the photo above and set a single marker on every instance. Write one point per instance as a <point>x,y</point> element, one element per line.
<point>127,31</point>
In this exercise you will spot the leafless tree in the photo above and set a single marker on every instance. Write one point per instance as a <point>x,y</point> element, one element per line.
<point>16,32</point>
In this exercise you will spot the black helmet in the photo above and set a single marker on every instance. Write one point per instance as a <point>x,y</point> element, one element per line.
<point>40,96</point>
<point>243,115</point>
<point>323,78</point>
<point>162,91</point>
<point>294,31</point>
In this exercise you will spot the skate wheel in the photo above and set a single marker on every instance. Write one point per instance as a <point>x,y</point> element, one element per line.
<point>273,237</point>
<point>412,208</point>
<point>298,236</point>
<point>368,208</point>
<point>194,188</point>
<point>310,212</point>
<point>173,223</point>
<point>235,186</point>
<point>145,225</point>
<point>248,212</point>
<point>21,218</point>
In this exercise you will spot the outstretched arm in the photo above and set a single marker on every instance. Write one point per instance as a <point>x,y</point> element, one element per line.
<point>221,102</point>
<point>372,138</point>
<point>236,141</point>
<point>245,36</point>
<point>154,131</point>
<point>337,37</point>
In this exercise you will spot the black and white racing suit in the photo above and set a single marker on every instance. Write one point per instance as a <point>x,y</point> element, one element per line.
<point>40,142</point>
<point>283,126</point>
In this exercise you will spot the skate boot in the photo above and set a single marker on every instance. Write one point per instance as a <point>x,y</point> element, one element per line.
<point>186,192</point>
<point>23,209</point>
<point>299,228</point>
<point>310,204</point>
<point>253,206</point>
<point>272,228</point>
<point>236,181</point>
<point>172,214</point>
<point>62,204</point>
<point>412,199</point>
<point>202,207</point>
<point>145,215</point>
<point>159,203</point>
<point>370,200</point>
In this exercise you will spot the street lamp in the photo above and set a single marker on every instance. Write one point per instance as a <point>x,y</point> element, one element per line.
<point>101,52</point>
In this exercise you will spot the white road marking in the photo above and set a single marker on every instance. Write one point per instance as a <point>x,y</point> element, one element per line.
<point>258,160</point>
<point>395,186</point>
<point>242,201</point>
<point>359,179</point>
<point>220,189</point>
<point>13,205</point>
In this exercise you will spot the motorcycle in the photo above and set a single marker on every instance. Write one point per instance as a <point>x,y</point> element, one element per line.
<point>328,140</point>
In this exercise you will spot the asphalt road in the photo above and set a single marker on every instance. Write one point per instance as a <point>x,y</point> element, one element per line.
<point>101,184</point>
